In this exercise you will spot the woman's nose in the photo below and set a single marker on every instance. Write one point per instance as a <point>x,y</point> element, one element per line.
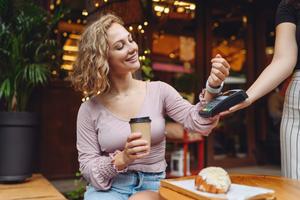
<point>132,47</point>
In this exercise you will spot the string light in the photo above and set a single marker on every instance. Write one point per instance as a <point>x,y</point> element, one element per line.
<point>147,51</point>
<point>245,19</point>
<point>269,50</point>
<point>172,55</point>
<point>52,6</point>
<point>85,12</point>
<point>216,24</point>
<point>165,7</point>
<point>180,9</point>
<point>192,7</point>
<point>145,23</point>
<point>167,10</point>
<point>159,8</point>
<point>85,99</point>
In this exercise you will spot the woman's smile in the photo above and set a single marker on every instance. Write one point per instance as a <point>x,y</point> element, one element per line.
<point>133,58</point>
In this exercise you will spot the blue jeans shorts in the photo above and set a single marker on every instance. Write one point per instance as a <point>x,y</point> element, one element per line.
<point>126,184</point>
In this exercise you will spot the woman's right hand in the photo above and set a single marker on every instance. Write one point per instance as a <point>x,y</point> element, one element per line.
<point>135,148</point>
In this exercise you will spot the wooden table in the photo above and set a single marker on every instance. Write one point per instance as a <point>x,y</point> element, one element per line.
<point>37,187</point>
<point>284,188</point>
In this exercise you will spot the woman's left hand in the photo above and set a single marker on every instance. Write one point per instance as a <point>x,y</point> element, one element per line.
<point>237,107</point>
<point>219,71</point>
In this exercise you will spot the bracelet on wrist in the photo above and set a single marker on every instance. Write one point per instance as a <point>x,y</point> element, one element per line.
<point>214,90</point>
<point>112,156</point>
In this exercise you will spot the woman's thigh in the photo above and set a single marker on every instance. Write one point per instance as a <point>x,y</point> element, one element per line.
<point>152,181</point>
<point>145,195</point>
<point>92,194</point>
<point>124,185</point>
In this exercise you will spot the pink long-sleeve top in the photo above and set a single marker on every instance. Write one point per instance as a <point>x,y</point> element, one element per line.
<point>100,133</point>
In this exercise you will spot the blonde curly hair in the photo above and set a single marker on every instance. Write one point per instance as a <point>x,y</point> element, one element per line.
<point>91,67</point>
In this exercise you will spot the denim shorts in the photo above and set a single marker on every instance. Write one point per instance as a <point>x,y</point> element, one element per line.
<point>126,184</point>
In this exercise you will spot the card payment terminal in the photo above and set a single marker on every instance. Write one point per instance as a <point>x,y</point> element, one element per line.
<point>223,102</point>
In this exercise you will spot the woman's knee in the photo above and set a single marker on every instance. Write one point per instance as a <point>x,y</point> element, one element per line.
<point>145,195</point>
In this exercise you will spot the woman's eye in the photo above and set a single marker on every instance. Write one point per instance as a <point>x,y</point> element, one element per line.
<point>119,46</point>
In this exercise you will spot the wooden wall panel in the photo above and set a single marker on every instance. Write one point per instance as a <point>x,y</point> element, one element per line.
<point>58,105</point>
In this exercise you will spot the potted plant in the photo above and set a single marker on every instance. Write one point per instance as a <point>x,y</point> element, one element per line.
<point>25,51</point>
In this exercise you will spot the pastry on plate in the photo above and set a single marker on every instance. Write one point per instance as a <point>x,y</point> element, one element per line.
<point>213,180</point>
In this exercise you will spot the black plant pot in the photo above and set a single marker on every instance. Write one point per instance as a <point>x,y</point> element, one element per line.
<point>17,143</point>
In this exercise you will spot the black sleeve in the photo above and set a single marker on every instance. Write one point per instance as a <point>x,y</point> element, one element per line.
<point>285,13</point>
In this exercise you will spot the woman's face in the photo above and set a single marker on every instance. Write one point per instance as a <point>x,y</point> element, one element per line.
<point>123,51</point>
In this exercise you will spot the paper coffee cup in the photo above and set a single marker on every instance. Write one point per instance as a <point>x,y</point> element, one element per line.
<point>143,126</point>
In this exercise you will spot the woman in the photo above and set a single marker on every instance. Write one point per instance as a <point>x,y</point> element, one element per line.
<point>285,62</point>
<point>116,163</point>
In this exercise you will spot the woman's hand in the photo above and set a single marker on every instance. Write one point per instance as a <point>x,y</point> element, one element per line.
<point>135,148</point>
<point>219,71</point>
<point>237,107</point>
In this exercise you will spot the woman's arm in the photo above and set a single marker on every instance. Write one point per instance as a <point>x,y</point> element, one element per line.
<point>184,112</point>
<point>97,169</point>
<point>281,67</point>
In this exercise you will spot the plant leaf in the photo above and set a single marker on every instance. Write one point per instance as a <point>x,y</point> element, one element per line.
<point>25,48</point>
<point>35,74</point>
<point>5,89</point>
